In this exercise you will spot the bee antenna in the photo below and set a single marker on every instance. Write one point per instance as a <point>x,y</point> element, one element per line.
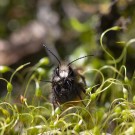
<point>78,59</point>
<point>52,54</point>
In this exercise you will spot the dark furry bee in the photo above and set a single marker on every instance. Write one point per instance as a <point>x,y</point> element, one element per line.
<point>67,83</point>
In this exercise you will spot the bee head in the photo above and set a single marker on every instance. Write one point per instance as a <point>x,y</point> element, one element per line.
<point>64,70</point>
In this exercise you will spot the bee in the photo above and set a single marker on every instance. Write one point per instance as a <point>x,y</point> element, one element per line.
<point>67,83</point>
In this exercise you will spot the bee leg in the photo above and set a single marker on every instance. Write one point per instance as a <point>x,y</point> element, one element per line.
<point>84,91</point>
<point>54,102</point>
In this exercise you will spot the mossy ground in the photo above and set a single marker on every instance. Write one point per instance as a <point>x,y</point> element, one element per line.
<point>109,100</point>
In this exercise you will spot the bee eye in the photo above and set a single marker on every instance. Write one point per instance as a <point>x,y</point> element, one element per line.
<point>57,71</point>
<point>70,71</point>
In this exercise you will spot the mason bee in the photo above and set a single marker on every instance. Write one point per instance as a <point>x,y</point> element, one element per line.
<point>67,83</point>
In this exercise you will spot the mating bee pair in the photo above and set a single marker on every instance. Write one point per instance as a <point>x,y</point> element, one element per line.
<point>66,84</point>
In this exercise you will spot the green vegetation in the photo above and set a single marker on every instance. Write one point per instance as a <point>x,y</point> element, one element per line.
<point>110,100</point>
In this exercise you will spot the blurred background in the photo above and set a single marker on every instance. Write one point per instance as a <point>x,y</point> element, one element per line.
<point>70,28</point>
